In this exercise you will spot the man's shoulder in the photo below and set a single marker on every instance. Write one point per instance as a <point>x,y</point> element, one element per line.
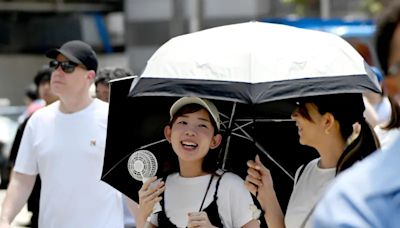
<point>356,195</point>
<point>358,173</point>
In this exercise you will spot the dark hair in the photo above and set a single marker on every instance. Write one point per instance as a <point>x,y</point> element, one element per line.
<point>43,75</point>
<point>31,92</point>
<point>347,110</point>
<point>106,74</point>
<point>210,162</point>
<point>385,27</point>
<point>394,121</point>
<point>366,143</point>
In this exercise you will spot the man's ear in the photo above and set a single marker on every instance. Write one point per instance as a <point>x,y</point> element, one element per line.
<point>167,133</point>
<point>91,74</point>
<point>216,141</point>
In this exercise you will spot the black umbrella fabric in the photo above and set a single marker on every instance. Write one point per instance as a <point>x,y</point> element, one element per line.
<point>137,123</point>
<point>253,72</point>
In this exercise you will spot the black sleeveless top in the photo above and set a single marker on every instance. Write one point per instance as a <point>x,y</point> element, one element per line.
<point>211,209</point>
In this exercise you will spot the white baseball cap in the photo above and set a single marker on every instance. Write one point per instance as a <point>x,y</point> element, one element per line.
<point>208,105</point>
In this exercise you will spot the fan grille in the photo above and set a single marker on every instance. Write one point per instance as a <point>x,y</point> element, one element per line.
<point>142,164</point>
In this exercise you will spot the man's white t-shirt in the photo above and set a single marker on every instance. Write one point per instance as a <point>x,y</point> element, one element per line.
<point>184,195</point>
<point>306,193</point>
<point>67,150</point>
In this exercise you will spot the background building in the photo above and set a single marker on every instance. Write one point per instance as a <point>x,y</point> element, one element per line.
<point>126,33</point>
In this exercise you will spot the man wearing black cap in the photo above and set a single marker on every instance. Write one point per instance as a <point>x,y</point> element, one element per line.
<point>64,143</point>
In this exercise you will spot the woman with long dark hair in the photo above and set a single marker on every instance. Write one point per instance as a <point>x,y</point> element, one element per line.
<point>335,126</point>
<point>367,194</point>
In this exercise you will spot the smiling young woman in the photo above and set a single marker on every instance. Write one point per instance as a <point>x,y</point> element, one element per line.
<point>196,193</point>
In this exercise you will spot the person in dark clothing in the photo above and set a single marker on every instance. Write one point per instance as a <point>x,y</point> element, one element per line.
<point>103,78</point>
<point>42,82</point>
<point>102,81</point>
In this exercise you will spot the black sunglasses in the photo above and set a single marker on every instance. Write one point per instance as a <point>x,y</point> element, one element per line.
<point>67,66</point>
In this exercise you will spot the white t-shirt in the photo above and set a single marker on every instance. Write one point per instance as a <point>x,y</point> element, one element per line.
<point>307,192</point>
<point>67,150</point>
<point>183,195</point>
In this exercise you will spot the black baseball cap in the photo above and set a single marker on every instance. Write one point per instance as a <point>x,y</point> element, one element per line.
<point>78,52</point>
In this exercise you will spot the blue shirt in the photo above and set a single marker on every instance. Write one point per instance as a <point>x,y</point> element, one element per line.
<point>366,195</point>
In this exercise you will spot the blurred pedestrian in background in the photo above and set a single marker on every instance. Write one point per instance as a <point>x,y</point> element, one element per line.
<point>42,82</point>
<point>377,105</point>
<point>379,102</point>
<point>368,194</point>
<point>102,80</point>
<point>64,143</point>
<point>388,50</point>
<point>32,102</point>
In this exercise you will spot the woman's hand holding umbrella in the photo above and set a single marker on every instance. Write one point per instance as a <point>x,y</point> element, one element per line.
<point>259,182</point>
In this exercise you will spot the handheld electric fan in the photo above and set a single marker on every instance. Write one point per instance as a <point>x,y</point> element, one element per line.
<point>142,165</point>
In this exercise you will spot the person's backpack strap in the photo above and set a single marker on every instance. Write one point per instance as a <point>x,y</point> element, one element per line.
<point>298,173</point>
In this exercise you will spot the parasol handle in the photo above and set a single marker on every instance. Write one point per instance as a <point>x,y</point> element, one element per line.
<point>273,160</point>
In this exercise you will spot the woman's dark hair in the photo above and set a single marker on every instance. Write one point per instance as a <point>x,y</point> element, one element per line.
<point>386,25</point>
<point>394,121</point>
<point>347,110</point>
<point>210,162</point>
